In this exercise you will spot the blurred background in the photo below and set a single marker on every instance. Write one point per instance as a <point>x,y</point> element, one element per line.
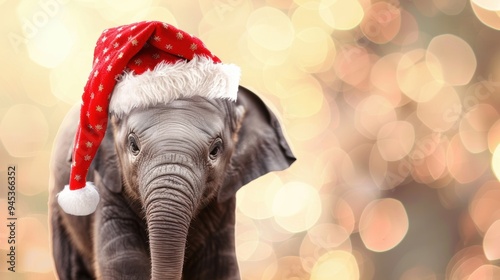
<point>391,107</point>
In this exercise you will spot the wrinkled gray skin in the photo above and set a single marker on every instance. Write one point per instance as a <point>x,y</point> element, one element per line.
<point>167,176</point>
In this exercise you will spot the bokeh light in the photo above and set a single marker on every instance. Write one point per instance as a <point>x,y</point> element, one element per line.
<point>444,64</point>
<point>118,11</point>
<point>395,140</point>
<point>465,262</point>
<point>415,75</point>
<point>391,107</point>
<point>285,267</point>
<point>324,50</point>
<point>491,5</point>
<point>353,65</point>
<point>372,114</point>
<point>50,39</point>
<point>408,32</point>
<point>63,88</point>
<point>419,272</point>
<point>383,77</point>
<point>494,136</point>
<point>343,215</point>
<point>270,28</point>
<point>341,14</point>
<point>296,206</point>
<point>441,111</point>
<point>38,256</point>
<point>383,224</point>
<point>249,197</point>
<point>495,162</point>
<point>485,272</point>
<point>321,239</point>
<point>486,16</point>
<point>247,237</point>
<point>156,13</point>
<point>304,99</point>
<point>475,125</point>
<point>381,22</point>
<point>491,242</point>
<point>484,209</point>
<point>451,7</point>
<point>23,130</point>
<point>462,164</point>
<point>336,265</point>
<point>307,15</point>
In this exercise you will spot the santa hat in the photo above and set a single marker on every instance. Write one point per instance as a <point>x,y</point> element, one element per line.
<point>135,66</point>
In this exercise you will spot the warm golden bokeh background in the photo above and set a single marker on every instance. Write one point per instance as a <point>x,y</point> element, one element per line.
<point>391,107</point>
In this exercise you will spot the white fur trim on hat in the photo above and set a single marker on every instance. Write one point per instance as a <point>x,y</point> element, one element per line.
<point>79,202</point>
<point>169,81</point>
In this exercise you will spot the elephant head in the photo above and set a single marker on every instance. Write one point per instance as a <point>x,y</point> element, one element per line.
<point>173,159</point>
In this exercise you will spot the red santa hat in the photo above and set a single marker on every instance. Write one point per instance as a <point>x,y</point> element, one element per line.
<point>135,66</point>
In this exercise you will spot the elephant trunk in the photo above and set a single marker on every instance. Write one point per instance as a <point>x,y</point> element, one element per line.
<point>169,208</point>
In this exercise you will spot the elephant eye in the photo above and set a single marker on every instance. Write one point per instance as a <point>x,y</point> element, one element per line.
<point>215,149</point>
<point>133,144</point>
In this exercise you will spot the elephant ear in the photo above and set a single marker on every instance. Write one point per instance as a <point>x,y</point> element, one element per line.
<point>106,163</point>
<point>260,148</point>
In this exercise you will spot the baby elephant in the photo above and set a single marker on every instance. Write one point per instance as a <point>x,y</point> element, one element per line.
<point>167,176</point>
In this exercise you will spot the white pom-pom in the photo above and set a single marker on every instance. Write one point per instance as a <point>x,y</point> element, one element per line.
<point>80,202</point>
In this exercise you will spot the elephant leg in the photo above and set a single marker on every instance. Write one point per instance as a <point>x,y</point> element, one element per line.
<point>217,260</point>
<point>68,262</point>
<point>211,244</point>
<point>121,250</point>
